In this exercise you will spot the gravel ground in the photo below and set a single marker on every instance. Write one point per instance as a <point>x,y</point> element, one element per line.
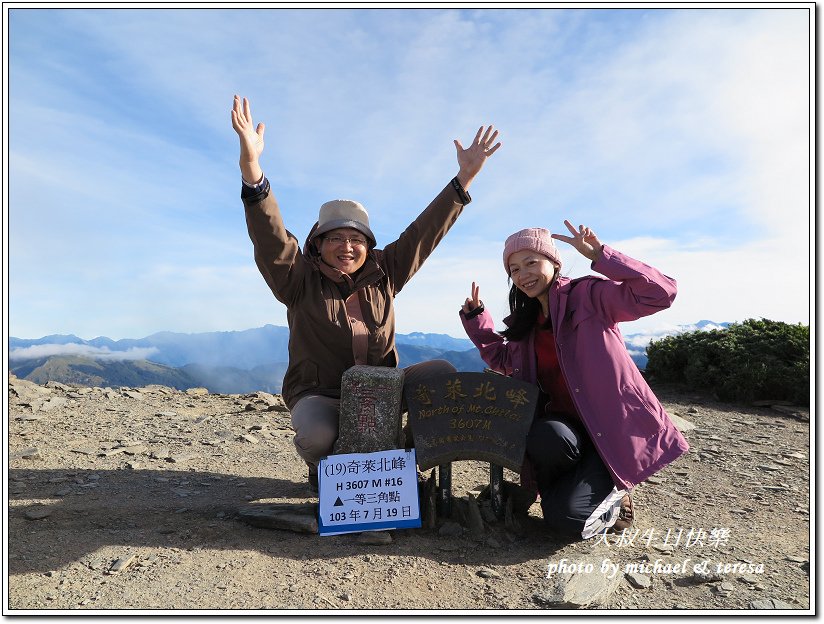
<point>127,499</point>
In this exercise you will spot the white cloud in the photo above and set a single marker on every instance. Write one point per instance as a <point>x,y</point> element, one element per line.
<point>758,279</point>
<point>637,343</point>
<point>81,350</point>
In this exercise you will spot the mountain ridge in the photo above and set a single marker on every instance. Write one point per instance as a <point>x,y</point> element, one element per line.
<point>227,362</point>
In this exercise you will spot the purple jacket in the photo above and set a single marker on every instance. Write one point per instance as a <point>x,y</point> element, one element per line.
<point>628,425</point>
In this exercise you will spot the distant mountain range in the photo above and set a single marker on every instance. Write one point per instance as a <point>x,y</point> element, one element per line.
<point>236,362</point>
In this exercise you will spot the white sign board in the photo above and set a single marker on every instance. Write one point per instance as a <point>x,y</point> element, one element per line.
<point>368,492</point>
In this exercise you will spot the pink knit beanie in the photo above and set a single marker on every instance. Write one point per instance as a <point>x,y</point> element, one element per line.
<point>536,239</point>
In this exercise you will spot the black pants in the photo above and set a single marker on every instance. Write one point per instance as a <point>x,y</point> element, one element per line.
<point>571,476</point>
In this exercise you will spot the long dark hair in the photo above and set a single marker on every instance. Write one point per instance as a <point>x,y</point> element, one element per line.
<point>524,311</point>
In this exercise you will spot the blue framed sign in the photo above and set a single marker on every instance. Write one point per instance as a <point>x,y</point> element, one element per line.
<point>368,492</point>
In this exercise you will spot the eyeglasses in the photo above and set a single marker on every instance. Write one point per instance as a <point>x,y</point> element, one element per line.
<point>340,240</point>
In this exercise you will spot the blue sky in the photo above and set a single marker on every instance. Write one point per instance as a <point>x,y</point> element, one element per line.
<point>681,136</point>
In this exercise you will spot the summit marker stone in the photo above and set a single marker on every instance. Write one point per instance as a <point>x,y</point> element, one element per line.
<point>370,410</point>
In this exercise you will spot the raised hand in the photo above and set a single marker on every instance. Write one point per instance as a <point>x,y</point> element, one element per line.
<point>251,140</point>
<point>472,302</point>
<point>472,158</point>
<point>583,239</point>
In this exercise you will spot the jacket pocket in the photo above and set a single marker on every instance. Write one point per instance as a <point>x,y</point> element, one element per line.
<point>306,377</point>
<point>643,418</point>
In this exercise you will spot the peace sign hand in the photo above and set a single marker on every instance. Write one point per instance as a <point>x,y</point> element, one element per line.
<point>583,239</point>
<point>474,302</point>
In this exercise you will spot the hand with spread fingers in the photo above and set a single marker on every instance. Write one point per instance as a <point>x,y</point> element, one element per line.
<point>472,158</point>
<point>251,140</point>
<point>583,239</point>
<point>473,302</point>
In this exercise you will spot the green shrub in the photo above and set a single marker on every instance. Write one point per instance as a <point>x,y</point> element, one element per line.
<point>753,360</point>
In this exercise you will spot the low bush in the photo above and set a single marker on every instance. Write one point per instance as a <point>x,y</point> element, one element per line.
<point>748,361</point>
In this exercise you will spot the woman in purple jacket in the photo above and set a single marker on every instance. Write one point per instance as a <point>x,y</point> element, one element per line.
<point>599,429</point>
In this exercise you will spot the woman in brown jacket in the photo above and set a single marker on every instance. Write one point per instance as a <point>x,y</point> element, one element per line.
<point>338,288</point>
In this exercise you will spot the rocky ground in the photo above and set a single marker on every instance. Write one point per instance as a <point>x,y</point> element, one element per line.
<point>128,499</point>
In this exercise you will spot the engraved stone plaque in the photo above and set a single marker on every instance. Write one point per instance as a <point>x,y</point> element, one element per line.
<point>481,416</point>
<point>370,410</point>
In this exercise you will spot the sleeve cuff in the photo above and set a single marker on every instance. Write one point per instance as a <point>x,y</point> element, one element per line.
<point>473,313</point>
<point>254,192</point>
<point>255,186</point>
<point>459,189</point>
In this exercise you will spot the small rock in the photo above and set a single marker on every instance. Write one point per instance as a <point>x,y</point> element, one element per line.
<point>121,564</point>
<point>134,449</point>
<point>85,450</point>
<point>474,518</point>
<point>791,411</point>
<point>249,438</point>
<point>577,590</point>
<point>682,423</point>
<point>301,518</point>
<point>53,403</point>
<point>377,538</point>
<point>450,529</point>
<point>110,452</point>
<point>197,391</point>
<point>29,453</point>
<point>183,457</point>
<point>488,573</point>
<point>771,603</point>
<point>39,512</point>
<point>638,581</point>
<point>711,576</point>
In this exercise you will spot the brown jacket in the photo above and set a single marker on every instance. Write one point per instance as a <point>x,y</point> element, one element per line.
<point>315,294</point>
